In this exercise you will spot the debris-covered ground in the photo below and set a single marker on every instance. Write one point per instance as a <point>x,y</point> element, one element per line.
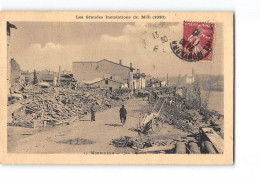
<point>69,138</point>
<point>67,112</point>
<point>41,107</point>
<point>189,112</point>
<point>185,111</point>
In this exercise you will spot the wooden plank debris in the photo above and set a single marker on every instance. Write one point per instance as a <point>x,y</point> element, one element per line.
<point>156,149</point>
<point>214,138</point>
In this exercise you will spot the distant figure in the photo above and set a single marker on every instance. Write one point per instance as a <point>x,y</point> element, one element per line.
<point>93,113</point>
<point>123,113</point>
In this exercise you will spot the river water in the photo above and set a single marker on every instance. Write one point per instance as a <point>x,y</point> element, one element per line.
<point>216,101</point>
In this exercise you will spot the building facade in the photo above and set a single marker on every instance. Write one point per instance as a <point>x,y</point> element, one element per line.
<point>87,72</point>
<point>107,83</point>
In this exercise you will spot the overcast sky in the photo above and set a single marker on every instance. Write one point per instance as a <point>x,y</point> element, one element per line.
<point>46,45</point>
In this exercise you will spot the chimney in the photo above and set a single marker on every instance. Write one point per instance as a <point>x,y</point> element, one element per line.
<point>131,67</point>
<point>131,78</point>
<point>120,62</point>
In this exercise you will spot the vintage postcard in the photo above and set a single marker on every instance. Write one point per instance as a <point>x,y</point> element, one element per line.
<point>116,88</point>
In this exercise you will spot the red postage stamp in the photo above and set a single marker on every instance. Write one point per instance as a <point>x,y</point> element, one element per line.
<point>197,42</point>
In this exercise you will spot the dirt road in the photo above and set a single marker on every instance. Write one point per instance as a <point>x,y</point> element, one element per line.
<point>96,136</point>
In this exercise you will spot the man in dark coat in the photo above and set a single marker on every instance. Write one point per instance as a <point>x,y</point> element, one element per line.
<point>123,113</point>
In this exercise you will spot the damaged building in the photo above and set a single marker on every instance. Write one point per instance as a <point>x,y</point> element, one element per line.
<point>108,74</point>
<point>15,71</point>
<point>55,78</point>
<point>138,80</point>
<point>107,83</point>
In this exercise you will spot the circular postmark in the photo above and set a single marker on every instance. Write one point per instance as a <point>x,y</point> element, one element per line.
<point>197,42</point>
<point>157,36</point>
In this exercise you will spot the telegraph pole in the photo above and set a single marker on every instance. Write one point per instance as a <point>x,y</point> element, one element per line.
<point>167,80</point>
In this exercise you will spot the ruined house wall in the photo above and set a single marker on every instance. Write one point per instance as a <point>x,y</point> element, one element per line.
<point>115,69</point>
<point>88,71</point>
<point>83,71</point>
<point>142,83</point>
<point>15,71</point>
<point>110,84</point>
<point>139,83</point>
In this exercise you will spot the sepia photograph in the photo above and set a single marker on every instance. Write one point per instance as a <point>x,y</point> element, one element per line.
<point>115,88</point>
<point>121,86</point>
<point>129,89</point>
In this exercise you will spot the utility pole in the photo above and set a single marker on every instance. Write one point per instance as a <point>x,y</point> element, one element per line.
<point>167,82</point>
<point>59,76</point>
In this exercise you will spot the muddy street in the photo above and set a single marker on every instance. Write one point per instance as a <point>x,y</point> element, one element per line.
<point>80,136</point>
<point>84,136</point>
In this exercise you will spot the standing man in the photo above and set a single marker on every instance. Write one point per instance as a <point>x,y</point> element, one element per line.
<point>123,113</point>
<point>93,113</point>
